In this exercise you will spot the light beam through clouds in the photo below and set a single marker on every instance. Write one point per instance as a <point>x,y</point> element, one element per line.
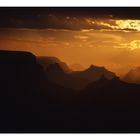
<point>104,41</point>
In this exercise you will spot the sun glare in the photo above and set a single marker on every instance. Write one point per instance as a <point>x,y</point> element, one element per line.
<point>128,24</point>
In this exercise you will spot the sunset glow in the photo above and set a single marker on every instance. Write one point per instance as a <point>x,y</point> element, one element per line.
<point>104,40</point>
<point>128,24</point>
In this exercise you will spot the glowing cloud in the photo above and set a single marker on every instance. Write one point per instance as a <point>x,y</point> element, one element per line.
<point>114,24</point>
<point>128,24</point>
<point>135,44</point>
<point>81,37</point>
<point>86,24</point>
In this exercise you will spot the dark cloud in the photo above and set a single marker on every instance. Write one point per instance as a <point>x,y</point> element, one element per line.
<point>36,17</point>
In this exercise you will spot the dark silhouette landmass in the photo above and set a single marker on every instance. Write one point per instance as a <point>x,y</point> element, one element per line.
<point>94,73</point>
<point>77,80</point>
<point>47,60</point>
<point>31,102</point>
<point>57,75</point>
<point>133,76</point>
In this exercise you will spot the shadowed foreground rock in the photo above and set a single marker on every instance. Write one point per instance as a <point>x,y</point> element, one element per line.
<point>30,102</point>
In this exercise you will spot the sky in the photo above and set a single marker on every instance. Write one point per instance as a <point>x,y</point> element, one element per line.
<point>100,36</point>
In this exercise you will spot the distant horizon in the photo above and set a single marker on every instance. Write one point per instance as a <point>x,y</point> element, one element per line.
<point>83,67</point>
<point>102,36</point>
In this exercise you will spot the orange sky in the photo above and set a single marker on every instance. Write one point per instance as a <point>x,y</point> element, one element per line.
<point>114,44</point>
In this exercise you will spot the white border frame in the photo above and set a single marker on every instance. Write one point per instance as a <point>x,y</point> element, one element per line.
<point>69,3</point>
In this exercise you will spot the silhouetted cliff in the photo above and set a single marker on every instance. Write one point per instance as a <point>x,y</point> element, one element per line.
<point>133,76</point>
<point>33,99</point>
<point>25,93</point>
<point>46,60</point>
<point>94,73</point>
<point>77,80</point>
